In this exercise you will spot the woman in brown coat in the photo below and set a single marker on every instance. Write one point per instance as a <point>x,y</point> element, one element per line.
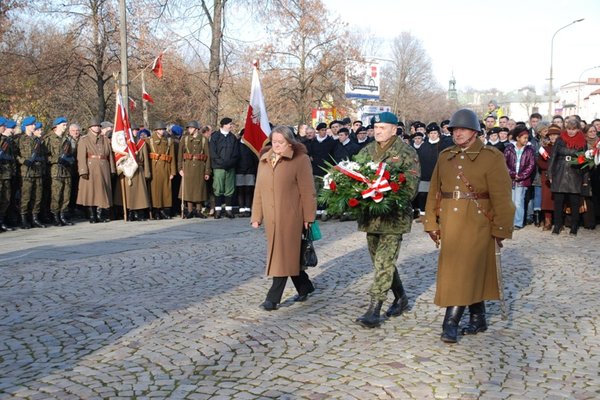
<point>547,144</point>
<point>285,202</point>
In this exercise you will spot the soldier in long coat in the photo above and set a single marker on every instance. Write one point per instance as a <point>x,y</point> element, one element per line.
<point>193,164</point>
<point>61,158</point>
<point>7,168</point>
<point>384,234</point>
<point>284,201</point>
<point>469,210</point>
<point>163,167</point>
<point>95,163</point>
<point>136,190</point>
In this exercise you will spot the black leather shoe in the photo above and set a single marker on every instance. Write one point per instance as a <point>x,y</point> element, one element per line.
<point>164,213</point>
<point>397,307</point>
<point>64,220</point>
<point>35,221</point>
<point>229,214</point>
<point>199,214</point>
<point>57,221</point>
<point>450,325</point>
<point>371,318</point>
<point>269,306</point>
<point>93,218</point>
<point>217,214</point>
<point>300,297</point>
<point>573,231</point>
<point>477,322</point>
<point>139,216</point>
<point>556,230</point>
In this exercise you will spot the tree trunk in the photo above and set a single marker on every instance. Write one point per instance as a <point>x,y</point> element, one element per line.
<point>214,75</point>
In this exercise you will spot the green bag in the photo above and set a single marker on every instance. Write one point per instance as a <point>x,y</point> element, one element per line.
<point>315,231</point>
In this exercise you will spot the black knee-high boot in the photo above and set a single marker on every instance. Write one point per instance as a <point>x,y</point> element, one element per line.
<point>450,325</point>
<point>477,322</point>
<point>400,302</point>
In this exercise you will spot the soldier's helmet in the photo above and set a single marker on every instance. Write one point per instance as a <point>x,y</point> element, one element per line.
<point>160,125</point>
<point>193,124</point>
<point>464,118</point>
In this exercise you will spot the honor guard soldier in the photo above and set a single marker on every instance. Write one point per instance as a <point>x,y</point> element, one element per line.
<point>469,211</point>
<point>7,168</point>
<point>32,159</point>
<point>61,159</point>
<point>96,164</point>
<point>194,168</point>
<point>162,169</point>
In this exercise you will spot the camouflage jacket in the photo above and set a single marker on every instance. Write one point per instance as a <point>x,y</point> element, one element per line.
<point>400,152</point>
<point>31,151</point>
<point>7,158</point>
<point>61,156</point>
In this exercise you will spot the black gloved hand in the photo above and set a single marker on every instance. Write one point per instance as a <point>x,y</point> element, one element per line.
<point>28,163</point>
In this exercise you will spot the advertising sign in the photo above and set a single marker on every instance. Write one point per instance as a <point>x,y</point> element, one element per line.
<point>362,80</point>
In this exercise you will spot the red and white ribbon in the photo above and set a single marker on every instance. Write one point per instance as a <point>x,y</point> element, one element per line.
<point>376,188</point>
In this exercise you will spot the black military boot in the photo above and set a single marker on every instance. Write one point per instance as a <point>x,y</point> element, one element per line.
<point>25,222</point>
<point>101,216</point>
<point>4,227</point>
<point>450,325</point>
<point>477,322</point>
<point>130,216</point>
<point>64,220</point>
<point>164,213</point>
<point>371,318</point>
<point>57,221</point>
<point>400,302</point>
<point>93,218</point>
<point>139,216</point>
<point>36,221</point>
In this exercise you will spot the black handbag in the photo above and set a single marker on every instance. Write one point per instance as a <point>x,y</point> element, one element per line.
<point>308,255</point>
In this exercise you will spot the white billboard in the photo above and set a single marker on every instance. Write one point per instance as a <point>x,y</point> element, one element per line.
<point>362,80</point>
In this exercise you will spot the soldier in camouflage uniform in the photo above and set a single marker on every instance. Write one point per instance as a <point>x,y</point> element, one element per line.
<point>61,159</point>
<point>32,159</point>
<point>384,234</point>
<point>7,168</point>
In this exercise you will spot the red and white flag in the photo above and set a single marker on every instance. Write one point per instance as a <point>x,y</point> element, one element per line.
<point>543,153</point>
<point>123,142</point>
<point>257,129</point>
<point>132,104</point>
<point>157,66</point>
<point>147,96</point>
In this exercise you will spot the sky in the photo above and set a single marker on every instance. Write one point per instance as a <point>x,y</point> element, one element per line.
<point>484,44</point>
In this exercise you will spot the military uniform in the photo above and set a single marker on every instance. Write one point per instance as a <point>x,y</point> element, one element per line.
<point>162,167</point>
<point>136,189</point>
<point>32,161</point>
<point>61,159</point>
<point>194,161</point>
<point>7,174</point>
<point>384,234</point>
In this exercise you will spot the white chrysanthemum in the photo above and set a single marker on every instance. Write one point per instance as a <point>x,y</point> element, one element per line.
<point>326,181</point>
<point>349,165</point>
<point>589,154</point>
<point>373,165</point>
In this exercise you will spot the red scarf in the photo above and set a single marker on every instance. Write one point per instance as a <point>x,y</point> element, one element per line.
<point>576,142</point>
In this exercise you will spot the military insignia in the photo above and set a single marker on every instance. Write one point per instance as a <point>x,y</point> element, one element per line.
<point>377,119</point>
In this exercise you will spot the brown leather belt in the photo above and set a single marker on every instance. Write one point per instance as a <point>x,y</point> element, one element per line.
<point>97,157</point>
<point>458,195</point>
<point>162,157</point>
<point>190,156</point>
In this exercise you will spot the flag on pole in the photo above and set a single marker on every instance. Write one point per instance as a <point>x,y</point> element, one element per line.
<point>132,104</point>
<point>123,142</point>
<point>147,97</point>
<point>157,66</point>
<point>257,129</point>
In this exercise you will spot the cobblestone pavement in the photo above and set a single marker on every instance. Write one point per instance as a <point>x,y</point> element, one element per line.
<point>169,309</point>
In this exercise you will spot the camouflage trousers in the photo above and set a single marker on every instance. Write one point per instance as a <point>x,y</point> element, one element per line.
<point>31,194</point>
<point>384,250</point>
<point>61,194</point>
<point>5,192</point>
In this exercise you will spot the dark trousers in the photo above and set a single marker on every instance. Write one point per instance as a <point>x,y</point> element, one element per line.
<point>301,282</point>
<point>559,202</point>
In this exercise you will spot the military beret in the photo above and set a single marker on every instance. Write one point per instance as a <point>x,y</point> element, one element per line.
<point>2,121</point>
<point>386,118</point>
<point>10,124</point>
<point>504,129</point>
<point>445,123</point>
<point>94,122</point>
<point>321,125</point>
<point>433,127</point>
<point>420,134</point>
<point>346,121</point>
<point>362,129</point>
<point>159,125</point>
<point>225,121</point>
<point>177,130</point>
<point>58,121</point>
<point>143,131</point>
<point>193,124</point>
<point>38,125</point>
<point>419,124</point>
<point>344,130</point>
<point>28,121</point>
<point>495,129</point>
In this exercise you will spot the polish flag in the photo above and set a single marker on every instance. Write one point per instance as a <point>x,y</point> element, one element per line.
<point>157,66</point>
<point>257,129</point>
<point>123,142</point>
<point>543,153</point>
<point>147,97</point>
<point>132,104</point>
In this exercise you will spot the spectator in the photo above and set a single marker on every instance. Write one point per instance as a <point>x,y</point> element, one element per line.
<point>224,155</point>
<point>520,160</point>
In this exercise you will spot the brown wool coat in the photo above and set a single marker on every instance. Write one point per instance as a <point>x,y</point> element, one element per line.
<point>194,170</point>
<point>467,261</point>
<point>284,197</point>
<point>136,191</point>
<point>96,190</point>
<point>161,171</point>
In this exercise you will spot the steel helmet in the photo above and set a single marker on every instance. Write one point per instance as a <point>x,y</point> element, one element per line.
<point>464,118</point>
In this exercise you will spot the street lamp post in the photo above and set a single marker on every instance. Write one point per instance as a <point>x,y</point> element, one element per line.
<point>579,85</point>
<point>551,64</point>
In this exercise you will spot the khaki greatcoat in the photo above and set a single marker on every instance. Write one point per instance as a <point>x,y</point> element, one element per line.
<point>95,159</point>
<point>136,189</point>
<point>161,170</point>
<point>194,187</point>
<point>467,262</point>
<point>284,197</point>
